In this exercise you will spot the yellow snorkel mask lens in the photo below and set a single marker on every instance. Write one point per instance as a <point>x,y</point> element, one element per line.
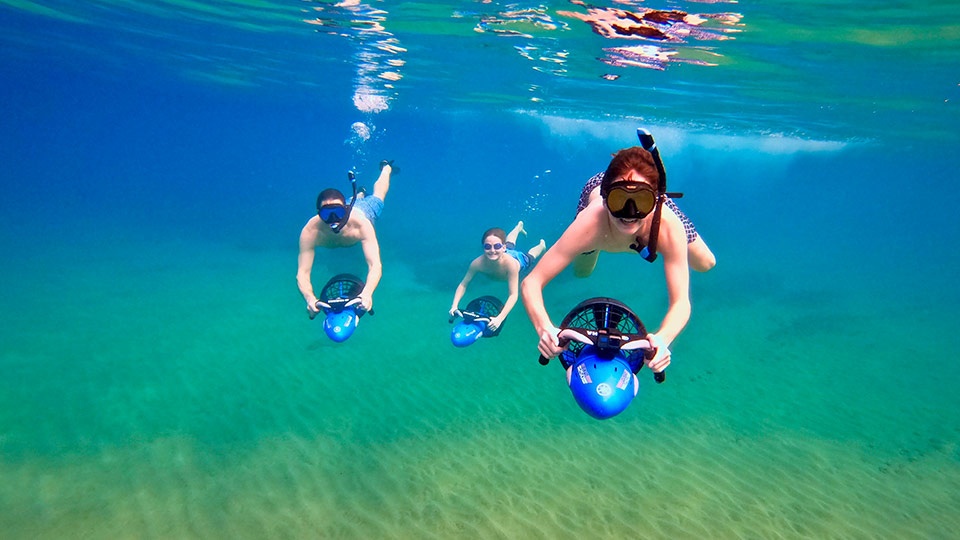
<point>630,200</point>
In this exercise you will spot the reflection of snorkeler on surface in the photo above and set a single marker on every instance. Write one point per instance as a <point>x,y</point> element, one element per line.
<point>500,261</point>
<point>336,225</point>
<point>658,26</point>
<point>655,24</point>
<point>625,208</point>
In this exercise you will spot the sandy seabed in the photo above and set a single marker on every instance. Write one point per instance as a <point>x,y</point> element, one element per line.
<point>190,420</point>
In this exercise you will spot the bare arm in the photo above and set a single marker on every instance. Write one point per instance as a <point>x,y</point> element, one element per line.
<point>513,285</point>
<point>576,239</point>
<point>462,287</point>
<point>308,239</point>
<point>371,251</point>
<point>677,274</point>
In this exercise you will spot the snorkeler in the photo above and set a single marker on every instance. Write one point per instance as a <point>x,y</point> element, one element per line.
<point>337,225</point>
<point>626,208</point>
<point>500,261</point>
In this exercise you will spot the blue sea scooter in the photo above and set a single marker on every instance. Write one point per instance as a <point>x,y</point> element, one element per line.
<point>606,344</point>
<point>475,320</point>
<point>340,303</point>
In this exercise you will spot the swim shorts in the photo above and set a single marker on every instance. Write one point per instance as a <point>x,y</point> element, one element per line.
<point>520,256</point>
<point>595,180</point>
<point>371,206</point>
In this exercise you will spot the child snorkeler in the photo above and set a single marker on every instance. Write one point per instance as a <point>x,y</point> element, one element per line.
<point>503,262</point>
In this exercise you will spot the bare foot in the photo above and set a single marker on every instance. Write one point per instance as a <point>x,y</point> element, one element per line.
<point>538,249</point>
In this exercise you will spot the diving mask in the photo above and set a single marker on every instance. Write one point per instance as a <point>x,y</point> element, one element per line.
<point>630,200</point>
<point>332,214</point>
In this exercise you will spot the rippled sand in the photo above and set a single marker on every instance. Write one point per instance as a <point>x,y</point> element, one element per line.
<point>189,420</point>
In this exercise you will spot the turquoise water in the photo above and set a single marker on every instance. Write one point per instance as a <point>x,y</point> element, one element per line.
<point>161,379</point>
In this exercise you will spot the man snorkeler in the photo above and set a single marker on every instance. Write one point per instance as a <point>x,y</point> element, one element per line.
<point>338,224</point>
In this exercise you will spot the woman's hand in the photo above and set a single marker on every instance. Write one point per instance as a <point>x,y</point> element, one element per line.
<point>366,300</point>
<point>549,345</point>
<point>312,308</point>
<point>661,359</point>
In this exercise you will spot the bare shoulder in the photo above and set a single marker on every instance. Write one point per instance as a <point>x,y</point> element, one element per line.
<point>670,223</point>
<point>672,237</point>
<point>361,228</point>
<point>485,266</point>
<point>477,264</point>
<point>511,266</point>
<point>310,231</point>
<point>585,232</point>
<point>594,196</point>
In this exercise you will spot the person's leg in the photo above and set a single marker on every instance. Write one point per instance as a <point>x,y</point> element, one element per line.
<point>537,250</point>
<point>699,255</point>
<point>584,263</point>
<point>513,234</point>
<point>370,206</point>
<point>382,185</point>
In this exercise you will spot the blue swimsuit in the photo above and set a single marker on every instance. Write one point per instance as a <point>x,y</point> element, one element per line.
<point>371,207</point>
<point>520,256</point>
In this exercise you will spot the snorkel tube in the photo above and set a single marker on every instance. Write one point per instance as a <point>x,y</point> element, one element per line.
<point>346,216</point>
<point>606,345</point>
<point>476,319</point>
<point>340,303</point>
<point>649,252</point>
